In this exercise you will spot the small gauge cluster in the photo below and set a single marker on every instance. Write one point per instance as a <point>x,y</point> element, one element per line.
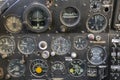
<point>49,56</point>
<point>90,16</point>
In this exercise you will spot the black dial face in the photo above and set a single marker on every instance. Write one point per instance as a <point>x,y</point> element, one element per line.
<point>38,17</point>
<point>38,68</point>
<point>97,23</point>
<point>76,68</point>
<point>80,43</point>
<point>16,68</point>
<point>7,45</point>
<point>58,67</point>
<point>70,16</point>
<point>26,45</point>
<point>13,24</point>
<point>97,55</point>
<point>61,46</point>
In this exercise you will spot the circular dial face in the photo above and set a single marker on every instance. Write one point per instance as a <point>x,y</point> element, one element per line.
<point>70,16</point>
<point>95,6</point>
<point>38,18</point>
<point>97,23</point>
<point>38,68</point>
<point>97,55</point>
<point>76,68</point>
<point>26,45</point>
<point>61,46</point>
<point>80,43</point>
<point>7,45</point>
<point>16,68</point>
<point>58,67</point>
<point>13,24</point>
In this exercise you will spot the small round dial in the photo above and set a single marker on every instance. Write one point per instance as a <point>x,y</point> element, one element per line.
<point>70,16</point>
<point>26,45</point>
<point>37,17</point>
<point>61,46</point>
<point>80,43</point>
<point>16,68</point>
<point>7,45</point>
<point>97,23</point>
<point>76,68</point>
<point>97,55</point>
<point>95,6</point>
<point>58,67</point>
<point>13,24</point>
<point>38,68</point>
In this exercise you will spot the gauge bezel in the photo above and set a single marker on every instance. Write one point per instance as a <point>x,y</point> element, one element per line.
<point>22,39</point>
<point>75,23</point>
<point>11,73</point>
<point>105,58</point>
<point>82,63</point>
<point>82,39</point>
<point>68,40</point>
<point>99,31</point>
<point>14,45</point>
<point>32,61</point>
<point>16,17</point>
<point>39,6</point>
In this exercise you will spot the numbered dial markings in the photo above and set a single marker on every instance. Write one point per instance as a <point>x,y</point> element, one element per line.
<point>61,46</point>
<point>38,68</point>
<point>13,24</point>
<point>26,45</point>
<point>16,68</point>
<point>7,45</point>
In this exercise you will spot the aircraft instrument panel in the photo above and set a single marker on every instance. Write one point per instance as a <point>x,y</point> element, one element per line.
<point>59,39</point>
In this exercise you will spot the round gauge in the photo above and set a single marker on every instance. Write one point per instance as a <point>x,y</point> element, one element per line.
<point>80,43</point>
<point>7,45</point>
<point>61,46</point>
<point>119,17</point>
<point>26,45</point>
<point>76,68</point>
<point>16,68</point>
<point>96,23</point>
<point>96,55</point>
<point>95,6</point>
<point>70,16</point>
<point>58,67</point>
<point>13,24</point>
<point>37,17</point>
<point>38,68</point>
